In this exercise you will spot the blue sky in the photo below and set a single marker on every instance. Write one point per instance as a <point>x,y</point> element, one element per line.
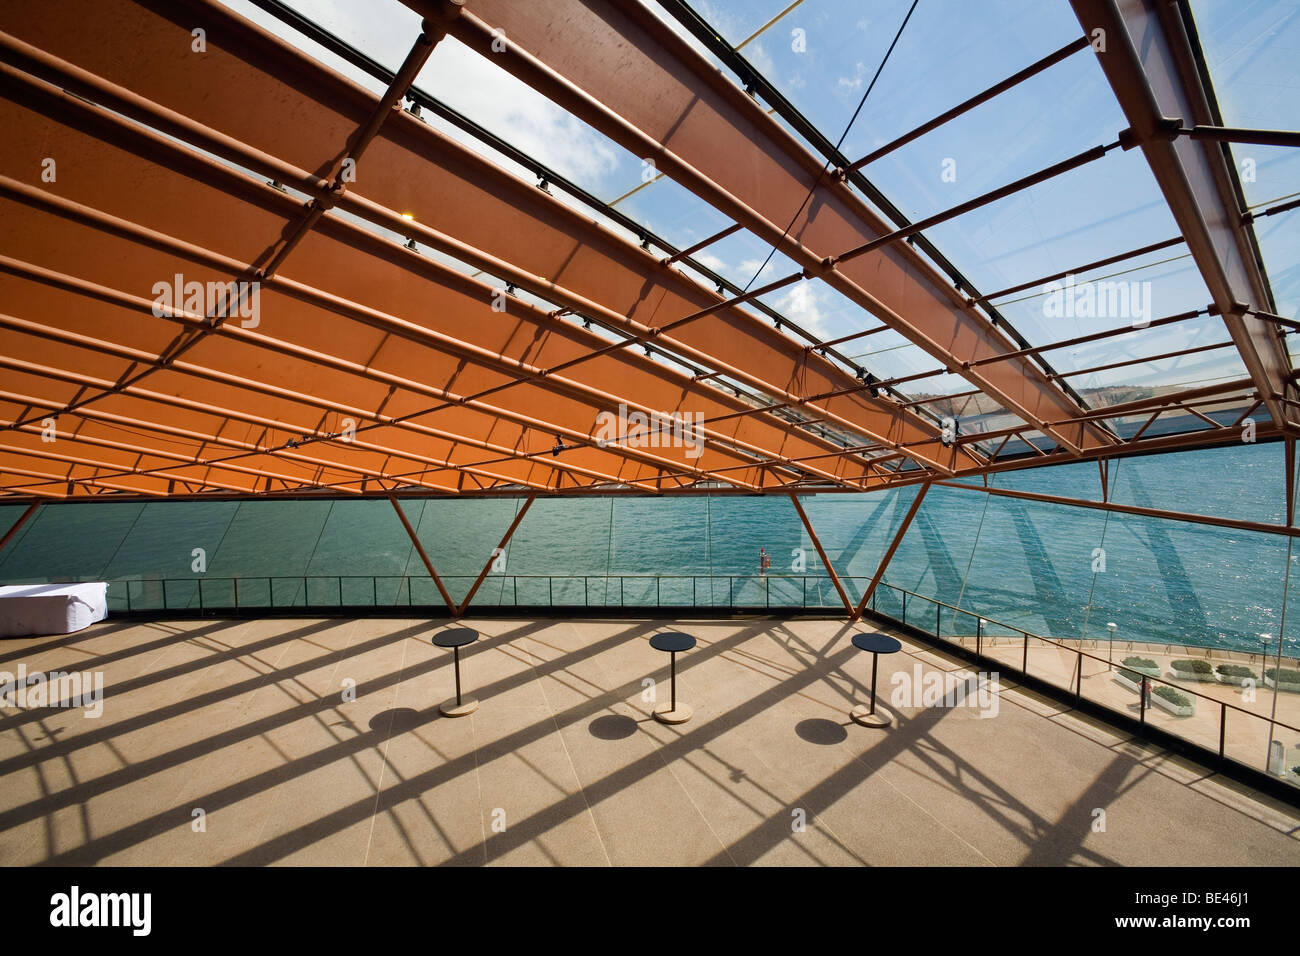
<point>949,50</point>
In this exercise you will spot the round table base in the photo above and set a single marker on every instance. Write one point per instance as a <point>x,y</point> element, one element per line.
<point>667,715</point>
<point>466,707</point>
<point>862,716</point>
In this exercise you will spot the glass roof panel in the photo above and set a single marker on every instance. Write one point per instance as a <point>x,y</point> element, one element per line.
<point>1092,212</point>
<point>672,212</point>
<point>1135,292</point>
<point>1251,51</point>
<point>383,30</point>
<point>737,257</point>
<point>738,22</point>
<point>1159,376</point>
<point>1099,210</point>
<point>888,355</point>
<point>822,54</point>
<point>513,110</point>
<point>1205,330</point>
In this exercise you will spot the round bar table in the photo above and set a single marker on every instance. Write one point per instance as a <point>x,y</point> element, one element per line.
<point>877,644</point>
<point>456,638</point>
<point>672,642</point>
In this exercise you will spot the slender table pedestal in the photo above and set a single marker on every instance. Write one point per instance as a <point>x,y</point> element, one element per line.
<point>877,644</point>
<point>672,642</point>
<point>456,638</point>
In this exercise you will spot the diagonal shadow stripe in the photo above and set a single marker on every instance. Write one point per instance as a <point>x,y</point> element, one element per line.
<point>1058,844</point>
<point>145,680</point>
<point>114,627</point>
<point>128,774</point>
<point>577,803</point>
<point>93,850</point>
<point>96,849</point>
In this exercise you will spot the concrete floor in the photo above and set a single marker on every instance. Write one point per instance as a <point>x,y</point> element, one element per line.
<point>232,742</point>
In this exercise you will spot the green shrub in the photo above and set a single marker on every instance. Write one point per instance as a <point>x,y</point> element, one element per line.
<point>1171,695</point>
<point>1236,670</point>
<point>1134,676</point>
<point>1289,676</point>
<point>1198,666</point>
<point>1140,662</point>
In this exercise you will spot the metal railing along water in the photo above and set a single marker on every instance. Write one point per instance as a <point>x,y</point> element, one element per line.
<point>522,590</point>
<point>1075,679</point>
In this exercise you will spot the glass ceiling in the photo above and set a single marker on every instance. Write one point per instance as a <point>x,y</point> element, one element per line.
<point>1251,50</point>
<point>822,55</point>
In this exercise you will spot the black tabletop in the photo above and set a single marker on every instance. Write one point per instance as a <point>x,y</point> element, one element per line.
<point>455,637</point>
<point>876,643</point>
<point>672,641</point>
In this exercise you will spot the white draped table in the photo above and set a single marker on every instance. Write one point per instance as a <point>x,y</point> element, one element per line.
<point>30,609</point>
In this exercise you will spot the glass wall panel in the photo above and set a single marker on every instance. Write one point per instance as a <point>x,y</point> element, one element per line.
<point>936,551</point>
<point>855,531</point>
<point>459,538</point>
<point>1175,584</point>
<point>9,515</point>
<point>1246,481</point>
<point>1033,565</point>
<point>67,542</point>
<point>162,543</point>
<point>999,566</point>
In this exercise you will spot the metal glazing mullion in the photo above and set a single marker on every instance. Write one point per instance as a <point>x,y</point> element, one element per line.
<point>358,59</point>
<point>720,48</point>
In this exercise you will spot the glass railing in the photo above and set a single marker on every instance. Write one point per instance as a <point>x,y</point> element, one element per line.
<point>511,590</point>
<point>1241,715</point>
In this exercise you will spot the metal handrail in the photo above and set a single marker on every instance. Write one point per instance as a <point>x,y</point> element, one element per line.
<point>1081,654</point>
<point>306,580</point>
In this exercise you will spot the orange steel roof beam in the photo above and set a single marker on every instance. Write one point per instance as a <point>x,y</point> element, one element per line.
<point>111,348</point>
<point>41,199</point>
<point>277,453</point>
<point>1160,91</point>
<point>670,105</point>
<point>562,429</point>
<point>245,449</point>
<point>356,144</point>
<point>424,139</point>
<point>83,436</point>
<point>115,297</point>
<point>70,108</point>
<point>406,329</point>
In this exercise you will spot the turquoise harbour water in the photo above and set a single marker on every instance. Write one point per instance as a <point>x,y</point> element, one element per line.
<point>1026,564</point>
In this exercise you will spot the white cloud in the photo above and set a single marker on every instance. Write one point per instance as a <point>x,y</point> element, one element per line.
<point>518,114</point>
<point>710,261</point>
<point>759,58</point>
<point>750,266</point>
<point>803,305</point>
<point>460,78</point>
<point>855,81</point>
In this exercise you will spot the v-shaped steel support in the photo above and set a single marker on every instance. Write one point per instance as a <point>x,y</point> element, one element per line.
<point>419,548</point>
